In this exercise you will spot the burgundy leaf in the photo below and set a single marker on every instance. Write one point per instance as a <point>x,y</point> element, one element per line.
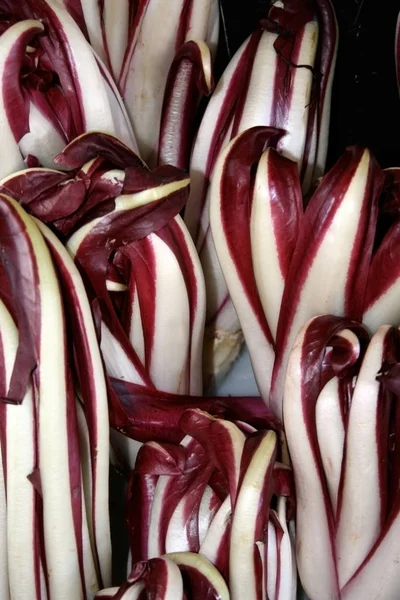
<point>134,404</point>
<point>156,458</point>
<point>139,500</point>
<point>189,77</point>
<point>95,144</point>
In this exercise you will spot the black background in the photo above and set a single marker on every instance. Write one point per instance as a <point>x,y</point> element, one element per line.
<point>365,100</point>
